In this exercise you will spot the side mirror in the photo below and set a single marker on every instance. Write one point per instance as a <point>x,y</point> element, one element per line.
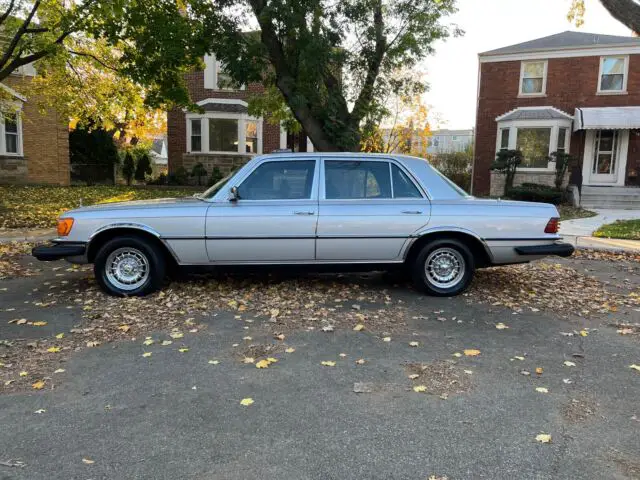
<point>234,196</point>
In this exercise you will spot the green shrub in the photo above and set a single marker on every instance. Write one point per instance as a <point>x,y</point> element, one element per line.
<point>128,167</point>
<point>198,172</point>
<point>507,162</point>
<point>216,176</point>
<point>531,192</point>
<point>143,167</point>
<point>179,177</point>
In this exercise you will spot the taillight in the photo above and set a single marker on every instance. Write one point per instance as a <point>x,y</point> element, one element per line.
<point>552,225</point>
<point>64,226</point>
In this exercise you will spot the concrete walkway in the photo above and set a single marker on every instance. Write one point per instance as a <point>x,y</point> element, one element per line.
<point>584,227</point>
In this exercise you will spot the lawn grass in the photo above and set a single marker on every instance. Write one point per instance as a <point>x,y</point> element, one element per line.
<point>23,206</point>
<point>568,212</point>
<point>623,229</point>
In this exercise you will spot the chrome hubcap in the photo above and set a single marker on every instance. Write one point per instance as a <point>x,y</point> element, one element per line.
<point>444,267</point>
<point>127,268</point>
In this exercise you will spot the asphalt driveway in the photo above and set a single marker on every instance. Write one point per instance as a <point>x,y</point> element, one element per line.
<point>114,413</point>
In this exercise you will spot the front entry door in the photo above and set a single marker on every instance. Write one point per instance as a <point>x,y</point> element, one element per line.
<point>607,156</point>
<point>274,220</point>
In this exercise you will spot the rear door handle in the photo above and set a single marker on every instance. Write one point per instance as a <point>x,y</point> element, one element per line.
<point>412,212</point>
<point>304,213</point>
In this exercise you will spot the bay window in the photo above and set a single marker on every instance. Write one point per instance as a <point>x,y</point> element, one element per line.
<point>534,143</point>
<point>222,132</point>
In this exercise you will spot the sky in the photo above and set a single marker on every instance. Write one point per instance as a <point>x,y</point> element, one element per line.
<point>452,71</point>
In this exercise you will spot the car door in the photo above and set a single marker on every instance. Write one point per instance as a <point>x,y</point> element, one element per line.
<point>275,218</point>
<point>369,208</point>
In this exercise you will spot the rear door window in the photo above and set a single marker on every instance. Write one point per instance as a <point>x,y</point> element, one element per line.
<point>355,179</point>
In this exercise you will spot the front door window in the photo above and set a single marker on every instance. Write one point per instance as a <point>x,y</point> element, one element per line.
<point>605,152</point>
<point>290,180</point>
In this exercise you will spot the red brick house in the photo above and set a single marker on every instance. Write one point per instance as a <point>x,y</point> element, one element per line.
<point>225,135</point>
<point>573,92</point>
<point>34,144</point>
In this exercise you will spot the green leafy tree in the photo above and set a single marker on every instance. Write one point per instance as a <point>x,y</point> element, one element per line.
<point>128,167</point>
<point>625,11</point>
<point>143,167</point>
<point>507,162</point>
<point>199,172</point>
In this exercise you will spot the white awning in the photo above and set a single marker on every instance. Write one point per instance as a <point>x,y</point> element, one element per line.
<point>606,118</point>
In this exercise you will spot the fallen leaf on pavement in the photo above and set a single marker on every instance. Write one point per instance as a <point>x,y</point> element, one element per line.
<point>360,361</point>
<point>542,390</point>
<point>39,324</point>
<point>88,461</point>
<point>290,350</point>
<point>419,388</point>
<point>23,374</point>
<point>543,438</point>
<point>60,370</point>
<point>567,363</point>
<point>471,352</point>
<point>183,350</point>
<point>358,327</point>
<point>124,328</point>
<point>39,385</point>
<point>279,337</point>
<point>386,339</point>
<point>414,344</point>
<point>245,402</point>
<point>328,363</point>
<point>501,326</point>
<point>148,341</point>
<point>519,358</point>
<point>539,370</point>
<point>53,349</point>
<point>583,333</point>
<point>248,339</point>
<point>60,336</point>
<point>176,335</point>
<point>41,410</point>
<point>457,354</point>
<point>93,344</point>
<point>166,342</point>
<point>262,364</point>
<point>413,376</point>
<point>147,354</point>
<point>635,367</point>
<point>469,372</point>
<point>328,328</point>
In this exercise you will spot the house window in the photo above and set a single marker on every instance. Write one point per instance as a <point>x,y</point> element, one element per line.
<point>196,135</point>
<point>613,74</point>
<point>534,144</point>
<point>215,77</point>
<point>251,137</point>
<point>223,135</point>
<point>504,139</point>
<point>562,140</point>
<point>533,78</point>
<point>11,134</point>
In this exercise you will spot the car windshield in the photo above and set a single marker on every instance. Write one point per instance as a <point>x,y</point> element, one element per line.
<point>211,191</point>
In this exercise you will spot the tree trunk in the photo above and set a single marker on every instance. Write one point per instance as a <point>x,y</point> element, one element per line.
<point>625,11</point>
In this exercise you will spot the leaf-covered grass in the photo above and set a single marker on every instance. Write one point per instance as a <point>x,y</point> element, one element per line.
<point>567,212</point>
<point>623,229</point>
<point>30,206</point>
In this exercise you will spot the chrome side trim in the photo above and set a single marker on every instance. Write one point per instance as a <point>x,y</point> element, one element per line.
<point>133,226</point>
<point>445,229</point>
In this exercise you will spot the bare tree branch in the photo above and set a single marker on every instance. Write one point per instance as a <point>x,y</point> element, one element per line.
<point>21,61</point>
<point>625,11</point>
<point>90,55</point>
<point>19,33</point>
<point>6,14</point>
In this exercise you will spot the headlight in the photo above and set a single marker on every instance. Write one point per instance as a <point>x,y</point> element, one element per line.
<point>64,226</point>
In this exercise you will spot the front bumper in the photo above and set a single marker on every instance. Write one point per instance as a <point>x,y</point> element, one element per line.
<point>559,249</point>
<point>56,251</point>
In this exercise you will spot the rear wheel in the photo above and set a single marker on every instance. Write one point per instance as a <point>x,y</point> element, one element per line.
<point>443,268</point>
<point>129,266</point>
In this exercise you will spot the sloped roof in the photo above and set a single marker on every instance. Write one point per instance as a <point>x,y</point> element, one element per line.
<point>565,40</point>
<point>534,113</point>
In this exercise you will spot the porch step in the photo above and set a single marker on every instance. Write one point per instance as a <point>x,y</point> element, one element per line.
<point>627,198</point>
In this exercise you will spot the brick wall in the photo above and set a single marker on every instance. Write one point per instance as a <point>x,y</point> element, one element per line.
<point>571,83</point>
<point>45,139</point>
<point>176,123</point>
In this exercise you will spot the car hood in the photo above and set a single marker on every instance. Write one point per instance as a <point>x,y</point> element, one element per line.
<point>142,204</point>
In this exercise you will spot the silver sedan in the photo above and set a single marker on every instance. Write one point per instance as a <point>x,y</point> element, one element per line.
<point>355,211</point>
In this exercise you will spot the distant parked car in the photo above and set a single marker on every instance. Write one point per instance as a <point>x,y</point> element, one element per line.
<point>359,211</point>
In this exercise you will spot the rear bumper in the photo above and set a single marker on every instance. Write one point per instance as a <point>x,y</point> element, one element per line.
<point>559,249</point>
<point>56,251</point>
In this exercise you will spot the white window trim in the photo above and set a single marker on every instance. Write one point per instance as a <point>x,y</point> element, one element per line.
<point>242,118</point>
<point>625,78</point>
<point>3,140</point>
<point>554,125</point>
<point>211,69</point>
<point>544,79</point>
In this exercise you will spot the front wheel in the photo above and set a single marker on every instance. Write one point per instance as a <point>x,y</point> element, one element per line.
<point>443,268</point>
<point>129,266</point>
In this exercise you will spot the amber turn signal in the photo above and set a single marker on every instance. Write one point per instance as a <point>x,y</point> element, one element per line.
<point>64,226</point>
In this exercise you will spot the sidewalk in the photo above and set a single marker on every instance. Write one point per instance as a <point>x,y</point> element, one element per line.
<point>597,243</point>
<point>15,235</point>
<point>584,227</point>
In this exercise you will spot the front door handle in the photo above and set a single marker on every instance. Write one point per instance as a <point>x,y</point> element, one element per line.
<point>412,212</point>
<point>304,213</point>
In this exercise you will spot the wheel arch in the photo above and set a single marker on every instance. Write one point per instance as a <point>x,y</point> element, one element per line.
<point>479,249</point>
<point>104,234</point>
